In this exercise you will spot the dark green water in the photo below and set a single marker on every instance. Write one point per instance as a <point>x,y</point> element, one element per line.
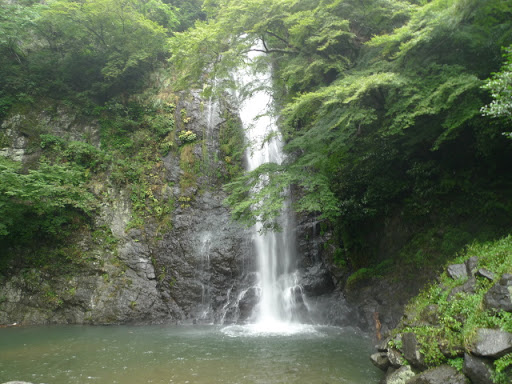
<point>184,355</point>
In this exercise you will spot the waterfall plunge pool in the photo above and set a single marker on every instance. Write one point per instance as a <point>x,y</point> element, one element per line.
<point>185,355</point>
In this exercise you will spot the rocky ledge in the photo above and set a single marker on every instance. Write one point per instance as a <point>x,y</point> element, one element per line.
<point>457,331</point>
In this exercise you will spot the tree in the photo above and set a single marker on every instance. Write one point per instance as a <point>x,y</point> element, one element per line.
<point>40,203</point>
<point>104,42</point>
<point>500,86</point>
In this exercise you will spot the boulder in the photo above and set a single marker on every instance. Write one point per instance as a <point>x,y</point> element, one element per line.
<point>380,360</point>
<point>440,375</point>
<point>471,265</point>
<point>395,358</point>
<point>412,352</point>
<point>399,376</point>
<point>499,297</point>
<point>317,281</point>
<point>383,345</point>
<point>478,370</point>
<point>247,302</point>
<point>482,272</point>
<point>430,314</point>
<point>457,271</point>
<point>468,287</point>
<point>493,343</point>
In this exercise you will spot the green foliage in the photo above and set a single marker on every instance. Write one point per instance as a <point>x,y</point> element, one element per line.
<point>380,106</point>
<point>188,164</point>
<point>500,87</point>
<point>41,203</point>
<point>77,152</point>
<point>84,51</point>
<point>188,11</point>
<point>232,146</point>
<point>447,323</point>
<point>503,372</point>
<point>187,136</point>
<point>364,274</point>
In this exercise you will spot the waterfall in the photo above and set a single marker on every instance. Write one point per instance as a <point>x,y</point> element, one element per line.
<point>279,292</point>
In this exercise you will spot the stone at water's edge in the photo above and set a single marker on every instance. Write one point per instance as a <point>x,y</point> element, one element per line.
<point>441,375</point>
<point>479,356</point>
<point>399,376</point>
<point>380,360</point>
<point>411,349</point>
<point>395,358</point>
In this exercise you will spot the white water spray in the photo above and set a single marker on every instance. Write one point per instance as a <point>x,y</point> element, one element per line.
<point>275,250</point>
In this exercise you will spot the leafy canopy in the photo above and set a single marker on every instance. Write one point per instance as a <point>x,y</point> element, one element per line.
<point>500,87</point>
<point>40,202</point>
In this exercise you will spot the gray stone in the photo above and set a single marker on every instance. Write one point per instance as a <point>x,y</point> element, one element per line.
<point>482,272</point>
<point>457,271</point>
<point>478,370</point>
<point>411,349</point>
<point>399,376</point>
<point>195,268</point>
<point>383,345</point>
<point>471,265</point>
<point>499,296</point>
<point>430,314</point>
<point>395,358</point>
<point>440,375</point>
<point>380,360</point>
<point>317,281</point>
<point>247,303</point>
<point>492,343</point>
<point>468,287</point>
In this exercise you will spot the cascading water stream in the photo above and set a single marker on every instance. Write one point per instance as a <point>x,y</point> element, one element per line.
<point>275,250</point>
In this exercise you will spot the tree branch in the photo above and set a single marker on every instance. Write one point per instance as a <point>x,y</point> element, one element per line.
<point>273,51</point>
<point>280,38</point>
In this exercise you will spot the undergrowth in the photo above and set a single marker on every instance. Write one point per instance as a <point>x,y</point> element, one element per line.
<point>446,324</point>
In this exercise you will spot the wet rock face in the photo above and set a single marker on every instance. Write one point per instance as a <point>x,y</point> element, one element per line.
<point>194,272</point>
<point>204,261</point>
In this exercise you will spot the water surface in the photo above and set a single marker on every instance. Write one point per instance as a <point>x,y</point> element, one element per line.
<point>184,354</point>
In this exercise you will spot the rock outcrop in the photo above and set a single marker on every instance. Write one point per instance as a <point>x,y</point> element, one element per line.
<point>193,269</point>
<point>406,350</point>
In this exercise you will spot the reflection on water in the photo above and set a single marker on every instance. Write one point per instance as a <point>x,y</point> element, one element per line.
<point>185,354</point>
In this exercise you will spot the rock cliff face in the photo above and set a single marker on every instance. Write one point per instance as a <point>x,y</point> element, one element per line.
<point>199,266</point>
<point>375,306</point>
<point>193,270</point>
<point>424,346</point>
